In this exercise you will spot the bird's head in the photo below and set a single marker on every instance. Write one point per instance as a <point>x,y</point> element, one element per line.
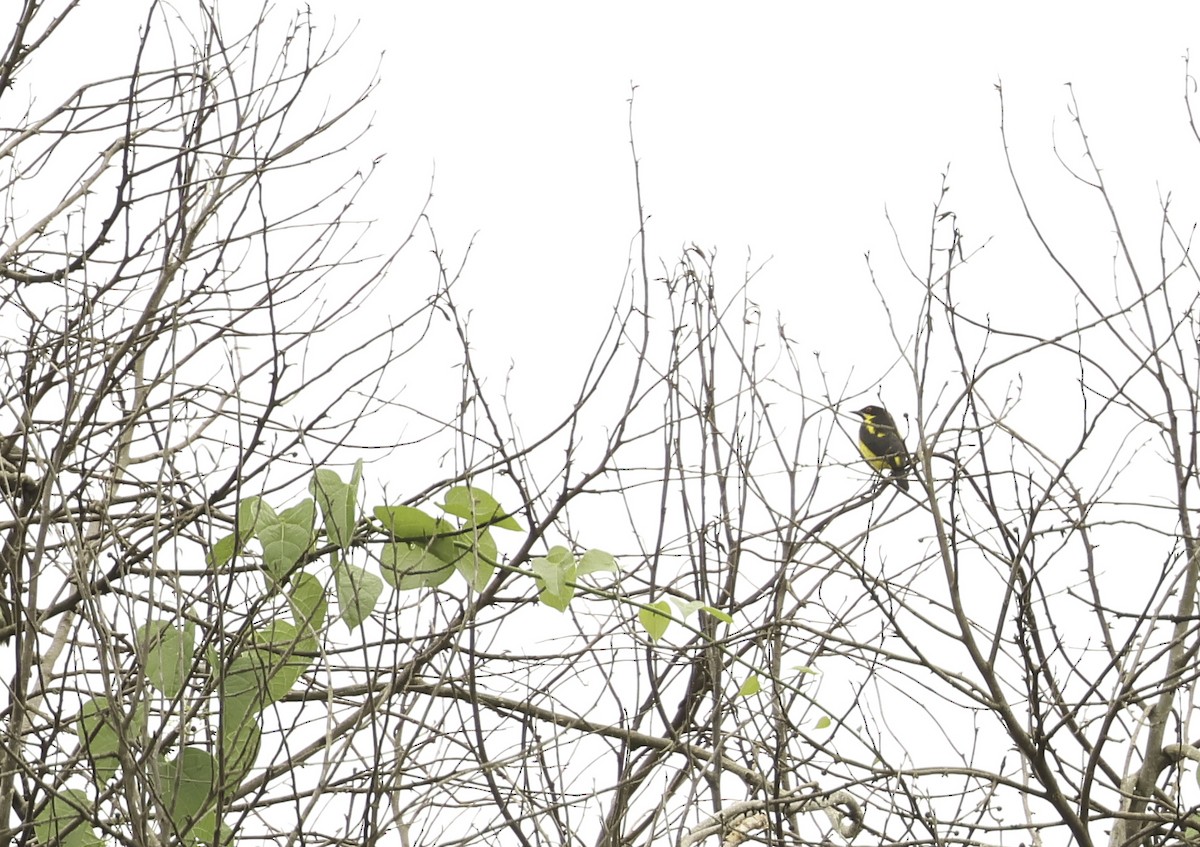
<point>869,413</point>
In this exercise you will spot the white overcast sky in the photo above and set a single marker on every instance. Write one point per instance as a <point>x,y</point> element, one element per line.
<point>779,129</point>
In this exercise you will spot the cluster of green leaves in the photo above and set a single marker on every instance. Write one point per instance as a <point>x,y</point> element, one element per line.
<point>191,775</point>
<point>243,676</point>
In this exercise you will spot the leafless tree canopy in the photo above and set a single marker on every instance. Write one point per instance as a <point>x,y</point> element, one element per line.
<point>683,612</point>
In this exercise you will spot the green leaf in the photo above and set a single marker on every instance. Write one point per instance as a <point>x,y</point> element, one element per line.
<point>101,729</point>
<point>555,572</point>
<point>338,502</point>
<point>63,821</point>
<point>824,722</point>
<point>443,544</point>
<point>220,554</point>
<point>267,671</point>
<point>288,656</point>
<point>287,538</point>
<point>245,681</point>
<point>424,549</point>
<point>686,607</point>
<point>477,507</point>
<point>597,561</point>
<point>357,592</point>
<point>252,682</point>
<point>485,545</point>
<point>204,830</point>
<point>750,686</point>
<point>406,523</point>
<point>251,511</point>
<point>239,704</point>
<point>187,784</point>
<point>306,596</point>
<point>409,566</point>
<point>302,515</point>
<point>655,618</point>
<point>718,614</point>
<point>477,564</point>
<point>240,737</point>
<point>99,736</point>
<point>166,654</point>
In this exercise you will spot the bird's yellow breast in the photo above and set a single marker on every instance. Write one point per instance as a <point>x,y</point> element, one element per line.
<point>877,462</point>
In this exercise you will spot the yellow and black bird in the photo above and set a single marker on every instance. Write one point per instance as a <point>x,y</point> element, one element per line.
<point>881,445</point>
